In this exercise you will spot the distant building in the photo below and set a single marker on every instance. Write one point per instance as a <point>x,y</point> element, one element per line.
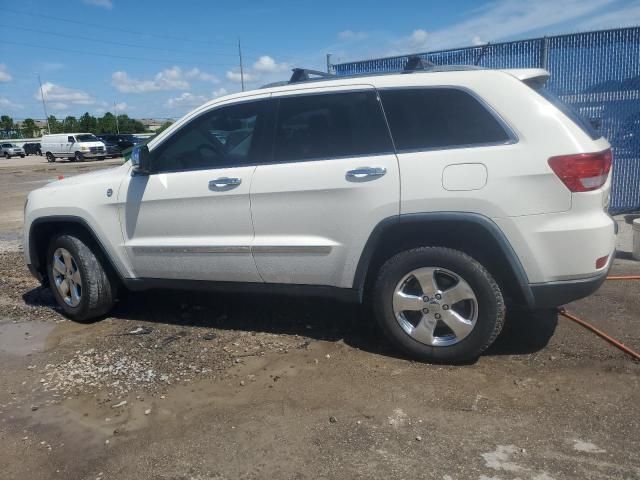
<point>151,124</point>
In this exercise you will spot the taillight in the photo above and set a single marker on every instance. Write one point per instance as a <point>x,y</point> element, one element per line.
<point>582,172</point>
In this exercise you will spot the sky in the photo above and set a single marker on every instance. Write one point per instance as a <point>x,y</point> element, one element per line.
<point>162,58</point>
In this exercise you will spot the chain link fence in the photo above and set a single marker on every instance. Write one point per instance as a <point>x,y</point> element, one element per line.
<point>598,73</point>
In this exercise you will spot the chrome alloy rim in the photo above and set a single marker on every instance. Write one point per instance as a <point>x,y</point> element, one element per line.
<point>435,306</point>
<point>66,277</point>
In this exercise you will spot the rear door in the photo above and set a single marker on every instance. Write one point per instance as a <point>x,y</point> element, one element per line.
<point>332,178</point>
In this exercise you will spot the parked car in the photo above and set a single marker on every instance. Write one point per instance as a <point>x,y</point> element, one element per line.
<point>435,196</point>
<point>117,143</point>
<point>75,146</point>
<point>11,150</point>
<point>32,149</point>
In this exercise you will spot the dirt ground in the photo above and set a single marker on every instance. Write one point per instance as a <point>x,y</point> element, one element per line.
<point>199,386</point>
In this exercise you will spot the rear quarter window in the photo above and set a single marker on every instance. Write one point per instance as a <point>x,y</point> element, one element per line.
<point>584,124</point>
<point>437,118</point>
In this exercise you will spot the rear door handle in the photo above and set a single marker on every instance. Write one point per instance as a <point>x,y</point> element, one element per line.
<point>224,183</point>
<point>365,173</point>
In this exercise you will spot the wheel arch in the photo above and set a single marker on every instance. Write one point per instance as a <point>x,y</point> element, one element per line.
<point>43,229</point>
<point>471,233</point>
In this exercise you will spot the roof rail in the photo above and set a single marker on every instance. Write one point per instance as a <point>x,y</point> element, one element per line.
<point>302,75</point>
<point>416,63</point>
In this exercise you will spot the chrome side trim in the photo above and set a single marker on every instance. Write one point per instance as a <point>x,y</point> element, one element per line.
<point>195,249</point>
<point>292,249</point>
<point>231,249</point>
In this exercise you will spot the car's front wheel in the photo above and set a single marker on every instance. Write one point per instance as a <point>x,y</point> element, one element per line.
<point>79,281</point>
<point>437,304</point>
<point>78,157</point>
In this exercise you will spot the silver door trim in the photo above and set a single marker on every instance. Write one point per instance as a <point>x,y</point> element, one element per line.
<point>229,249</point>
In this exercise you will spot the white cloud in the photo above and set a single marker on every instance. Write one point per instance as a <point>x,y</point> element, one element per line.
<point>9,105</point>
<point>506,19</point>
<point>624,17</point>
<point>121,107</point>
<point>58,106</point>
<point>59,95</point>
<point>200,75</point>
<point>187,100</point>
<point>5,76</point>
<point>220,92</point>
<point>350,35</point>
<point>266,64</point>
<point>169,79</point>
<point>234,76</point>
<point>100,3</point>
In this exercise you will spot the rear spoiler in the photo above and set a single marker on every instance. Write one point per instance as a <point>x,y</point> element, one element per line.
<point>534,77</point>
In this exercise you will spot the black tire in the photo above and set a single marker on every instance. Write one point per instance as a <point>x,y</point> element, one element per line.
<point>7,156</point>
<point>50,157</point>
<point>78,157</point>
<point>490,303</point>
<point>98,290</point>
<point>21,156</point>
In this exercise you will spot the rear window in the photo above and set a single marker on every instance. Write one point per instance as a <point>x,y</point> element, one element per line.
<point>330,125</point>
<point>570,112</point>
<point>435,118</point>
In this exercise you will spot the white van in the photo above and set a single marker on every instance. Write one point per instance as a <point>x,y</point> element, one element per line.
<point>75,146</point>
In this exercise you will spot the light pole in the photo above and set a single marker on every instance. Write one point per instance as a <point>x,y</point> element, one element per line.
<point>115,112</point>
<point>44,106</point>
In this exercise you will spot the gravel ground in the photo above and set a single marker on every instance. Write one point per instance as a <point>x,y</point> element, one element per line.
<point>178,385</point>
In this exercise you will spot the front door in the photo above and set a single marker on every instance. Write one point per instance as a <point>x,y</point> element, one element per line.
<point>191,218</point>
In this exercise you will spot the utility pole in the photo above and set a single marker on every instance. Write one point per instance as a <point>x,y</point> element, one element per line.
<point>115,112</point>
<point>44,107</point>
<point>241,68</point>
<point>329,66</point>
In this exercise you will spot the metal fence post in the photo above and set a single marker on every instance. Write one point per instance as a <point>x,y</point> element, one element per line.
<point>544,52</point>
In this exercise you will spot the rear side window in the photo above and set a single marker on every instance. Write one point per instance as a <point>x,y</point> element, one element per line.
<point>569,111</point>
<point>330,125</point>
<point>432,118</point>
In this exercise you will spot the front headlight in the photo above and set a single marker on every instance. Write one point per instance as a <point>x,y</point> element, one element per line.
<point>84,148</point>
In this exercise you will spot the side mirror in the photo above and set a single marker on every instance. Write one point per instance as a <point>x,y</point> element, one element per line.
<point>140,159</point>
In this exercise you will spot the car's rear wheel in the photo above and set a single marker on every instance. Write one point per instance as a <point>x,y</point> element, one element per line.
<point>50,157</point>
<point>7,156</point>
<point>80,284</point>
<point>438,304</point>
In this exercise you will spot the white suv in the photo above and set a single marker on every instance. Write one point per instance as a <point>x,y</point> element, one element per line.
<point>435,196</point>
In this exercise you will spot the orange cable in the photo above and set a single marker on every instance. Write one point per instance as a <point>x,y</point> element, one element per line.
<point>624,277</point>
<point>600,333</point>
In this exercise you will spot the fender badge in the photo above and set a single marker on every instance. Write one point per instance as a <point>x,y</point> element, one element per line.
<point>109,192</point>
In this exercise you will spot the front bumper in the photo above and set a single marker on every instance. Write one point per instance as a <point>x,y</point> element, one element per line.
<point>555,294</point>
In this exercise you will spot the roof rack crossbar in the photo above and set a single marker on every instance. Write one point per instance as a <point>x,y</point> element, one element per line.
<point>302,74</point>
<point>417,63</point>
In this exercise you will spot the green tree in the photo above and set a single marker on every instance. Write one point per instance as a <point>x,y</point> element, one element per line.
<point>107,124</point>
<point>54,124</point>
<point>164,126</point>
<point>6,125</point>
<point>70,124</point>
<point>29,128</point>
<point>129,125</point>
<point>88,123</point>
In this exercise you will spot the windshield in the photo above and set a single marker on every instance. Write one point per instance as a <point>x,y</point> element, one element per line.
<point>87,138</point>
<point>6,145</point>
<point>582,122</point>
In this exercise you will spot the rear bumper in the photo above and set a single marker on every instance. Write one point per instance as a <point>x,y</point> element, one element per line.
<point>555,294</point>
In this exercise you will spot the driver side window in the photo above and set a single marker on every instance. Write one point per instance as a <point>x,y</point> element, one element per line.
<point>223,137</point>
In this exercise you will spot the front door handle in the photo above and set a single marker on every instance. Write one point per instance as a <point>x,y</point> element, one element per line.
<point>365,173</point>
<point>224,183</point>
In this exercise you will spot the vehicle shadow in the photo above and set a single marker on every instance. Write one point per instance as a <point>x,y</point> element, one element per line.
<point>524,332</point>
